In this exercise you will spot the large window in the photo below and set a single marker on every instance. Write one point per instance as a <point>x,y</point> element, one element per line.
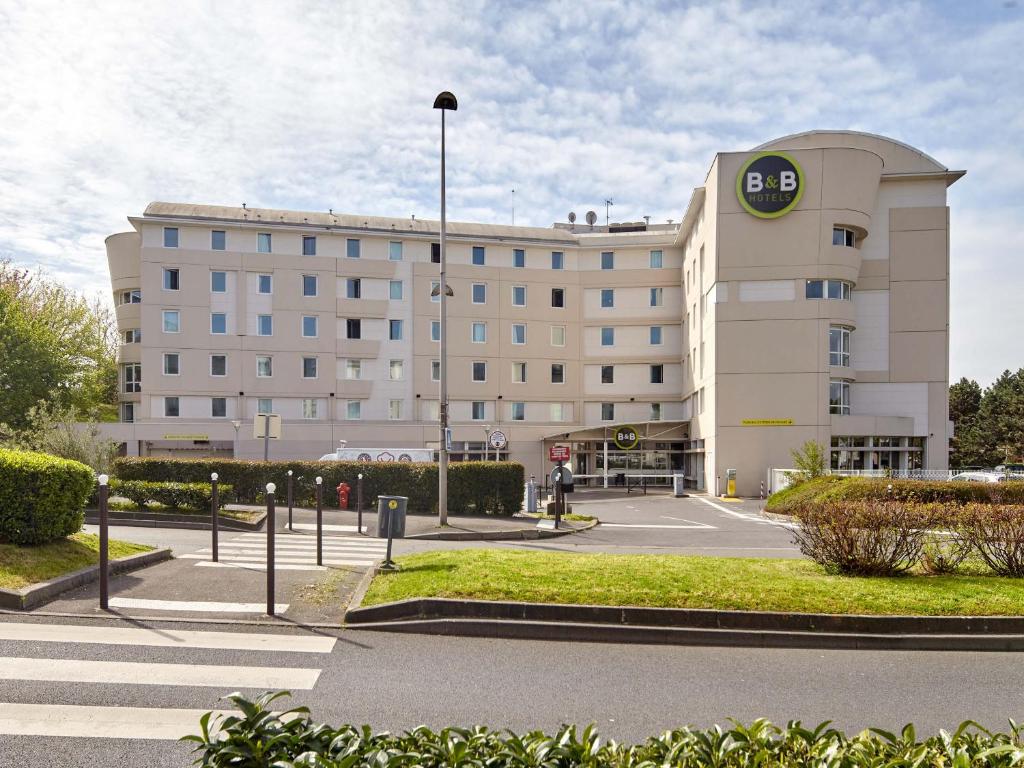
<point>519,372</point>
<point>608,260</point>
<point>170,237</point>
<point>308,245</point>
<point>309,285</point>
<point>557,260</point>
<point>171,364</point>
<point>435,330</point>
<point>607,374</point>
<point>310,326</point>
<point>171,321</point>
<point>557,335</point>
<point>518,411</point>
<point>172,407</point>
<point>479,370</point>
<point>655,335</point>
<point>839,396</point>
<point>353,369</point>
<point>839,345</point>
<point>558,373</point>
<point>395,250</point>
<point>218,240</point>
<point>558,297</point>
<point>607,297</point>
<point>607,411</point>
<point>478,255</point>
<point>218,365</point>
<point>656,260</point>
<point>309,408</point>
<point>828,289</point>
<point>354,288</point>
<point>518,333</point>
<point>658,374</point>
<point>479,293</point>
<point>395,330</point>
<point>171,279</point>
<point>655,412</point>
<point>395,290</point>
<point>265,405</point>
<point>657,297</point>
<point>396,370</point>
<point>263,242</point>
<point>479,410</point>
<point>353,328</point>
<point>264,325</point>
<point>219,407</point>
<point>435,370</point>
<point>354,408</point>
<point>218,282</point>
<point>132,377</point>
<point>518,258</point>
<point>130,297</point>
<point>518,295</point>
<point>607,337</point>
<point>844,236</point>
<point>133,336</point>
<point>264,284</point>
<point>352,248</point>
<point>264,366</point>
<point>479,333</point>
<point>309,366</point>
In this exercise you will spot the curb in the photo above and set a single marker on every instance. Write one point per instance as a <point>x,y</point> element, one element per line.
<point>589,623</point>
<point>500,535</point>
<point>191,522</point>
<point>29,597</point>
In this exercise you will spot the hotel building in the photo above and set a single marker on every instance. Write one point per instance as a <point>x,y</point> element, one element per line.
<point>804,295</point>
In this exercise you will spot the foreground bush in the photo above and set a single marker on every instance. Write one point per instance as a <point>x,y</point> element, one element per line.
<point>479,487</point>
<point>42,497</point>
<point>197,496</point>
<point>258,737</point>
<point>996,534</point>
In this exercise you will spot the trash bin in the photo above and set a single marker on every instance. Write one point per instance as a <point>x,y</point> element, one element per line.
<point>620,478</point>
<point>679,485</point>
<point>531,496</point>
<point>391,514</point>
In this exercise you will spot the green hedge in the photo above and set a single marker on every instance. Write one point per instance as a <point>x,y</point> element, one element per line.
<point>42,497</point>
<point>197,496</point>
<point>260,736</point>
<point>474,487</point>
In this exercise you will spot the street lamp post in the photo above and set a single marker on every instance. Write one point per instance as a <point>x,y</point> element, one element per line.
<point>237,424</point>
<point>487,441</point>
<point>444,101</point>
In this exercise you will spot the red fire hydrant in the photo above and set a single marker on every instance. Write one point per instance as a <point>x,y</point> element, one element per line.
<point>343,491</point>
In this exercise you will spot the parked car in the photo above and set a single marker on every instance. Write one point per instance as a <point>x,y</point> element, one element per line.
<point>979,477</point>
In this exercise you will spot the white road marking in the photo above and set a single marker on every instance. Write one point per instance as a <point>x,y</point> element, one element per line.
<point>246,557</point>
<point>255,545</point>
<point>260,566</point>
<point>312,527</point>
<point>301,538</point>
<point>744,516</point>
<point>165,638</point>
<point>99,722</point>
<point>143,673</point>
<point>652,525</point>
<point>198,606</point>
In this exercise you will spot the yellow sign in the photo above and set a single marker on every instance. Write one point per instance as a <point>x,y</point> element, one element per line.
<point>392,504</point>
<point>186,437</point>
<point>767,422</point>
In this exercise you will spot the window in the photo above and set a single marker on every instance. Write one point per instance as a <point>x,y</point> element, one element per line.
<point>264,284</point>
<point>395,407</point>
<point>395,250</point>
<point>133,336</point>
<point>310,286</point>
<point>657,296</point>
<point>264,405</point>
<point>608,260</point>
<point>558,412</point>
<point>607,297</point>
<point>655,412</point>
<point>171,361</point>
<point>133,378</point>
<point>218,323</point>
<point>435,253</point>
<point>518,257</point>
<point>479,370</point>
<point>479,333</point>
<point>172,321</point>
<point>396,370</point>
<point>435,330</point>
<point>518,333</point>
<point>130,297</point>
<point>607,374</point>
<point>263,242</point>
<point>264,367</point>
<point>839,396</point>
<point>558,373</point>
<point>557,260</point>
<point>395,330</point>
<point>352,248</point>
<point>218,282</point>
<point>844,236</point>
<point>655,335</point>
<point>264,325</point>
<point>558,297</point>
<point>435,370</point>
<point>353,328</point>
<point>127,412</point>
<point>172,407</point>
<point>607,411</point>
<point>353,369</point>
<point>656,259</point>
<point>353,408</point>
<point>170,237</point>
<point>518,295</point>
<point>658,374</point>
<point>171,282</point>
<point>218,407</point>
<point>435,291</point>
<point>395,290</point>
<point>309,367</point>
<point>354,288</point>
<point>828,289</point>
<point>308,245</point>
<point>479,293</point>
<point>518,411</point>
<point>309,408</point>
<point>519,373</point>
<point>478,255</point>
<point>607,337</point>
<point>218,240</point>
<point>839,345</point>
<point>557,335</point>
<point>218,365</point>
<point>479,410</point>
<point>310,326</point>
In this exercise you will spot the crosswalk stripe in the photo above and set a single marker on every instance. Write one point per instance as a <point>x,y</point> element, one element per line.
<point>73,720</point>
<point>327,527</point>
<point>258,545</point>
<point>260,566</point>
<point>299,538</point>
<point>165,638</point>
<point>193,606</point>
<point>144,673</point>
<point>250,558</point>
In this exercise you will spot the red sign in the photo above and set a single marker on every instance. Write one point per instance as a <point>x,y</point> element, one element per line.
<point>558,453</point>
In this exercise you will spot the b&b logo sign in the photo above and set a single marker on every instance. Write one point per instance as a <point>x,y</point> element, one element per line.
<point>770,184</point>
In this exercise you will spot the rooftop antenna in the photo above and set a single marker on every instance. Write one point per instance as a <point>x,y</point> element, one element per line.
<point>330,211</point>
<point>607,206</point>
<point>513,207</point>
<point>572,220</point>
<point>591,218</point>
<point>243,206</point>
<point>648,220</point>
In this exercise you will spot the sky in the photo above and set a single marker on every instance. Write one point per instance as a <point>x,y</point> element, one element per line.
<point>106,106</point>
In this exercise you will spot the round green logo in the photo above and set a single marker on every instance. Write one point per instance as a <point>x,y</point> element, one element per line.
<point>626,437</point>
<point>770,184</point>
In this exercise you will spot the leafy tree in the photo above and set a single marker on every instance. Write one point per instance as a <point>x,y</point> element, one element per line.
<point>810,461</point>
<point>964,400</point>
<point>60,432</point>
<point>989,425</point>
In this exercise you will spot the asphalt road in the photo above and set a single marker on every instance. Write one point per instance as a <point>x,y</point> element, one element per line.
<point>399,681</point>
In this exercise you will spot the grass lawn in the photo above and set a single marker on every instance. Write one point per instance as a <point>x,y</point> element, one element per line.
<point>21,566</point>
<point>676,581</point>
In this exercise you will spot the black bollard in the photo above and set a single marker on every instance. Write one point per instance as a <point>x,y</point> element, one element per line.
<point>290,500</point>
<point>214,505</point>
<point>359,504</point>
<point>271,526</point>
<point>104,544</point>
<point>319,521</point>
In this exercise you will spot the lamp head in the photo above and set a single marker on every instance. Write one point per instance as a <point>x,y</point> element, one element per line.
<point>319,480</point>
<point>446,100</point>
<point>213,476</point>
<point>271,487</point>
<point>102,479</point>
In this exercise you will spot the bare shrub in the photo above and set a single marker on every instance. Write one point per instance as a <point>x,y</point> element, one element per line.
<point>996,533</point>
<point>945,551</point>
<point>863,538</point>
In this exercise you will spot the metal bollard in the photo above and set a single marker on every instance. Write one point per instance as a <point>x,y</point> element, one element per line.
<point>762,489</point>
<point>359,504</point>
<point>104,543</point>
<point>271,526</point>
<point>214,504</point>
<point>290,501</point>
<point>319,521</point>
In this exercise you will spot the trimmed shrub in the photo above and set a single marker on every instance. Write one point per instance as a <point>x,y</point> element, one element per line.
<point>197,496</point>
<point>42,497</point>
<point>789,499</point>
<point>996,533</point>
<point>473,487</point>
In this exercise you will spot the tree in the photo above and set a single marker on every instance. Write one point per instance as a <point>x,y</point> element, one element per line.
<point>964,400</point>
<point>968,443</point>
<point>989,425</point>
<point>810,461</point>
<point>60,432</point>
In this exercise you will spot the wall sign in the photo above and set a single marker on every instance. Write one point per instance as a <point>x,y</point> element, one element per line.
<point>767,422</point>
<point>626,437</point>
<point>770,184</point>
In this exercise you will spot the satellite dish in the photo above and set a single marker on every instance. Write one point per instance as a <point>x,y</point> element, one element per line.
<point>591,218</point>
<point>572,217</point>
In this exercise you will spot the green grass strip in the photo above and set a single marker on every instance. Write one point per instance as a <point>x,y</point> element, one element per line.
<point>21,566</point>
